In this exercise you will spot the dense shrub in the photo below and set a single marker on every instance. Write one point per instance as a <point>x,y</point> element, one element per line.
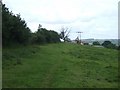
<point>46,36</point>
<point>96,43</point>
<point>108,44</point>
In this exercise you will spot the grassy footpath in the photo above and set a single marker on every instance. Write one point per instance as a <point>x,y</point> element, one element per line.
<point>60,66</point>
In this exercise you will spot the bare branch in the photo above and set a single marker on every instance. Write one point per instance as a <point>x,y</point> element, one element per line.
<point>64,33</point>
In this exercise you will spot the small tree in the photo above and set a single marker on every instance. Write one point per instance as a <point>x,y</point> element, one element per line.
<point>64,34</point>
<point>39,27</point>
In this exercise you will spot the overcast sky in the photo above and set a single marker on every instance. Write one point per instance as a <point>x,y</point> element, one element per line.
<point>95,18</point>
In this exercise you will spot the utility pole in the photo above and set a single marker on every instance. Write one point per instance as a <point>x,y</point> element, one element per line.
<point>80,36</point>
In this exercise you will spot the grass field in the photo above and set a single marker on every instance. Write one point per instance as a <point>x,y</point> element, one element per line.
<point>60,65</point>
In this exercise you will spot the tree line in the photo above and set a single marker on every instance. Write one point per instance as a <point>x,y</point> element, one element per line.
<point>15,31</point>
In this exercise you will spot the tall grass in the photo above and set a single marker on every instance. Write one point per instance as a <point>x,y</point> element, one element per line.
<point>60,65</point>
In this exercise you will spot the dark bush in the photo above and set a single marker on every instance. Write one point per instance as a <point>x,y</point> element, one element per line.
<point>109,44</point>
<point>96,43</point>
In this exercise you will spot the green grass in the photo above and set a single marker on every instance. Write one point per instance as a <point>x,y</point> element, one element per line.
<point>60,65</point>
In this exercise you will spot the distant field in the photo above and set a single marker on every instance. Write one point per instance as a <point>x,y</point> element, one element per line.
<point>60,65</point>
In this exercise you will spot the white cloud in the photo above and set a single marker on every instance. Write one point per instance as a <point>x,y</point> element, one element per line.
<point>96,18</point>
